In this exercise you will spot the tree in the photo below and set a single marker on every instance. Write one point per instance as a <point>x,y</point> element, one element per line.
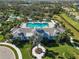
<point>8,36</point>
<point>16,41</point>
<point>1,28</point>
<point>63,37</point>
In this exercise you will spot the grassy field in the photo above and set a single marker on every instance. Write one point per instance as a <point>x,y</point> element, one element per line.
<point>65,51</point>
<point>61,49</point>
<point>26,51</point>
<point>47,57</point>
<point>71,21</point>
<point>76,33</point>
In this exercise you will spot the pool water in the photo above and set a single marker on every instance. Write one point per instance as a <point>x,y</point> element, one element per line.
<point>37,25</point>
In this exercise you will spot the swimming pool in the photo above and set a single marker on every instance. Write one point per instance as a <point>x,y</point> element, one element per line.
<point>36,25</point>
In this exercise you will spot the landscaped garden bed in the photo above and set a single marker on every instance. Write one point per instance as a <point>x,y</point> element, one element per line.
<point>38,51</point>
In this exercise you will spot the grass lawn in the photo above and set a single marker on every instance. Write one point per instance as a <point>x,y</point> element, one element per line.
<point>47,57</point>
<point>26,51</point>
<point>76,33</point>
<point>1,37</point>
<point>65,51</point>
<point>71,21</point>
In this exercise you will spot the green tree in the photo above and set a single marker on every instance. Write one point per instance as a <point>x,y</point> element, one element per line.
<point>64,37</point>
<point>8,36</point>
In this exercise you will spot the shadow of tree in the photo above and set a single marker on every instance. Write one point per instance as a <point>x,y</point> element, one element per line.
<point>60,57</point>
<point>51,54</point>
<point>21,44</point>
<point>51,43</point>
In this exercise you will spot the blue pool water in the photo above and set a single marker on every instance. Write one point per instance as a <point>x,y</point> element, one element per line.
<point>37,25</point>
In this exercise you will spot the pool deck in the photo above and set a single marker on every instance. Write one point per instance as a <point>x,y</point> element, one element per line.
<point>50,28</point>
<point>51,31</point>
<point>30,31</point>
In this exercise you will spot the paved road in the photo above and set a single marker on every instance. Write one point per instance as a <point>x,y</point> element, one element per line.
<point>6,53</point>
<point>17,49</point>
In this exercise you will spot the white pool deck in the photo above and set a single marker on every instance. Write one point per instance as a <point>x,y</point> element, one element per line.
<point>29,31</point>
